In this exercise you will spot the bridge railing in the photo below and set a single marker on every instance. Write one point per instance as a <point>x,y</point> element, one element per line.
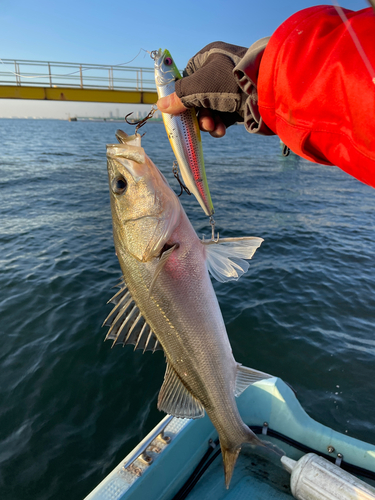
<point>59,74</point>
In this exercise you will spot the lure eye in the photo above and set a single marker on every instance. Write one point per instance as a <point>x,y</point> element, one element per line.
<point>168,61</point>
<point>119,185</point>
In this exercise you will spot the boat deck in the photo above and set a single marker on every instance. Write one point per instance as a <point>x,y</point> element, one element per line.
<point>178,460</point>
<point>254,478</point>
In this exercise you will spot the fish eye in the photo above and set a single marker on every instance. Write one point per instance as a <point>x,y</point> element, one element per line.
<point>168,61</point>
<point>119,185</point>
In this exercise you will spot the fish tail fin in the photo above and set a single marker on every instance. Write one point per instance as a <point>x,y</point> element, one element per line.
<point>230,452</point>
<point>229,458</point>
<point>268,450</point>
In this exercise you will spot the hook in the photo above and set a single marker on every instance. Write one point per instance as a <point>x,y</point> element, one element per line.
<point>177,176</point>
<point>285,150</point>
<point>140,123</point>
<point>213,224</point>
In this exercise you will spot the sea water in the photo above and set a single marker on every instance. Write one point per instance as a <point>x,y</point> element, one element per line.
<point>70,406</point>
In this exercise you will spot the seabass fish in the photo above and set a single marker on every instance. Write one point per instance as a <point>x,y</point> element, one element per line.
<point>167,300</point>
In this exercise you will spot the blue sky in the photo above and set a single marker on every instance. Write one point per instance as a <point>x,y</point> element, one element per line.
<point>114,32</point>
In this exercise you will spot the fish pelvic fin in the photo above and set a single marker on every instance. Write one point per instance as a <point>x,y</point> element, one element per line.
<point>226,259</point>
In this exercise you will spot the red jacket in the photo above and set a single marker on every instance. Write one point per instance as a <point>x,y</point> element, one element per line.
<point>315,92</point>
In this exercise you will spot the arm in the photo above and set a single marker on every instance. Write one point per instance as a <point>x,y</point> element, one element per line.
<point>310,86</point>
<point>216,84</point>
<point>316,93</point>
<point>210,86</point>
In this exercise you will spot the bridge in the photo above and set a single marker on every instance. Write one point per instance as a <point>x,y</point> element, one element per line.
<point>59,81</point>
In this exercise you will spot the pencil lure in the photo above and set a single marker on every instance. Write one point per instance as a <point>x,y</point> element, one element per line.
<point>183,133</point>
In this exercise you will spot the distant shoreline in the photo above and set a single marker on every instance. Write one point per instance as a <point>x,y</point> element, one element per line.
<point>79,119</point>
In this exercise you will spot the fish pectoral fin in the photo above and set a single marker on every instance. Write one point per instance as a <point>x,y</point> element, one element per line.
<point>175,399</point>
<point>163,260</point>
<point>247,376</point>
<point>127,325</point>
<point>226,258</point>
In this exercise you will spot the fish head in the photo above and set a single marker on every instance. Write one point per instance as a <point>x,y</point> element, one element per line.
<point>145,210</point>
<point>166,70</point>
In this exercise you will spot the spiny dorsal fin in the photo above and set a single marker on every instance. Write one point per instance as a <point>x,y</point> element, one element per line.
<point>127,325</point>
<point>146,340</point>
<point>247,376</point>
<point>124,320</point>
<point>175,399</point>
<point>121,310</point>
<point>225,258</point>
<point>118,296</point>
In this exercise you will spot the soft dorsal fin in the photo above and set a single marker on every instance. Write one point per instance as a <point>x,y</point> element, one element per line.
<point>175,399</point>
<point>247,376</point>
<point>127,325</point>
<point>225,258</point>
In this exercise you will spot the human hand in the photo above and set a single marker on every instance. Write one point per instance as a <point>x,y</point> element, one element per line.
<point>208,121</point>
<point>210,86</point>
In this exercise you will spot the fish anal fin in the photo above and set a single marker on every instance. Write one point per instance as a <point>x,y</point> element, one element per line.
<point>226,258</point>
<point>247,376</point>
<point>175,399</point>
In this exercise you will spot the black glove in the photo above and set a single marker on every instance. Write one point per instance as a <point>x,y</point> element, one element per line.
<point>209,82</point>
<point>217,78</point>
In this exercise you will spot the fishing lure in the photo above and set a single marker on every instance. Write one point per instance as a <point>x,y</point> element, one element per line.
<point>183,133</point>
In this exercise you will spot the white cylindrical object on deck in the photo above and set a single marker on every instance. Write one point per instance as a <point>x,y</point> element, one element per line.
<point>315,478</point>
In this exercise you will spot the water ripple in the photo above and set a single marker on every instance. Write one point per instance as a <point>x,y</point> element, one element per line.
<point>72,407</point>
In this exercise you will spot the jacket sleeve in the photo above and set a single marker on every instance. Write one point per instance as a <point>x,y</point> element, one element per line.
<point>316,93</point>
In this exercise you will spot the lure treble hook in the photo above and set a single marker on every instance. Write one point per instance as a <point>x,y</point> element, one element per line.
<point>213,224</point>
<point>177,176</point>
<point>141,122</point>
